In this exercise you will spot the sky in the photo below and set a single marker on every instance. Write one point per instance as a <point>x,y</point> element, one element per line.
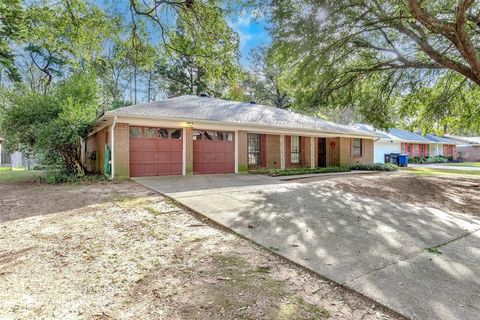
<point>251,27</point>
<point>252,32</point>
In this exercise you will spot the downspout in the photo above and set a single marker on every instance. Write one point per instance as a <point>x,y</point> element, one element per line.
<point>113,148</point>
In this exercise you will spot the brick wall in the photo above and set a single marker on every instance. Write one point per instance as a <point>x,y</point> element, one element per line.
<point>272,151</point>
<point>469,153</point>
<point>122,151</point>
<point>346,157</point>
<point>242,152</point>
<point>333,154</point>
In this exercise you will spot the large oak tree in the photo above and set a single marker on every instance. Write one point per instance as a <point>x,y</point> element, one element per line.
<point>370,53</point>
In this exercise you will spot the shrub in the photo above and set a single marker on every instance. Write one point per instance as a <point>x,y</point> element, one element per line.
<point>436,159</point>
<point>62,176</point>
<point>297,171</point>
<point>374,167</point>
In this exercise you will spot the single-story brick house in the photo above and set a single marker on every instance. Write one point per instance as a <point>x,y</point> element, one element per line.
<point>202,135</point>
<point>411,143</point>
<point>468,147</point>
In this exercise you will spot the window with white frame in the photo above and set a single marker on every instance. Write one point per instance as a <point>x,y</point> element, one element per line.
<point>295,150</point>
<point>357,147</point>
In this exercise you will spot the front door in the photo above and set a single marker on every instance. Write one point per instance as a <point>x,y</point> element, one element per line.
<point>322,152</point>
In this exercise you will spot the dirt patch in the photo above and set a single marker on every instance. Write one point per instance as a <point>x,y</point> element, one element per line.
<point>454,193</point>
<point>118,250</point>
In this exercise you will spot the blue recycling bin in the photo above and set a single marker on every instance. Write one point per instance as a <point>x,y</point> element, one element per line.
<point>403,160</point>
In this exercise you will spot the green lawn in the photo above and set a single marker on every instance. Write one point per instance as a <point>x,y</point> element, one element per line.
<point>433,171</point>
<point>18,175</point>
<point>463,164</point>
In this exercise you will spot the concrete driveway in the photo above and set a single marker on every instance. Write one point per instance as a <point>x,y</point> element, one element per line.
<point>374,246</point>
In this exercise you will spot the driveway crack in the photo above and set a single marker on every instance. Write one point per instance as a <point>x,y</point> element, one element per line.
<point>410,256</point>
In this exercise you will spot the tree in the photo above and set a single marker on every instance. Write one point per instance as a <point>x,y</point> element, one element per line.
<point>341,52</point>
<point>11,30</point>
<point>203,53</point>
<point>64,36</point>
<point>263,81</point>
<point>53,123</point>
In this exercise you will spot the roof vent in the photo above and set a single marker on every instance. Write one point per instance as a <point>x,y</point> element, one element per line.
<point>203,94</point>
<point>253,102</point>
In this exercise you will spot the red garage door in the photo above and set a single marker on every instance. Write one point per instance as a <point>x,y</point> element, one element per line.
<point>213,152</point>
<point>155,151</point>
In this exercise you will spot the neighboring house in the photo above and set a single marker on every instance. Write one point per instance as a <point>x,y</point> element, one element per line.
<point>413,144</point>
<point>15,159</point>
<point>200,135</point>
<point>468,147</point>
<point>384,144</point>
<point>442,146</point>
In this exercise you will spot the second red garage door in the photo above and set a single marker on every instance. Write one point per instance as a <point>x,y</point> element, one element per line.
<point>213,152</point>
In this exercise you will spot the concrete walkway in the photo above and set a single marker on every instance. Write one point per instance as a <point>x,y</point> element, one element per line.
<point>371,245</point>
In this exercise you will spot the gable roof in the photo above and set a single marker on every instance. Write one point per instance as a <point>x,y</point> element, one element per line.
<point>379,133</point>
<point>190,107</point>
<point>401,135</point>
<point>408,136</point>
<point>465,140</point>
<point>442,140</point>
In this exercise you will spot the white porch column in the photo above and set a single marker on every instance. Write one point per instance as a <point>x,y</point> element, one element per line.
<point>184,152</point>
<point>282,151</point>
<point>312,152</point>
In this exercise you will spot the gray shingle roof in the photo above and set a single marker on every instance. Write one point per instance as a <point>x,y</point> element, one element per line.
<point>381,134</point>
<point>465,140</point>
<point>211,109</point>
<point>438,139</point>
<point>407,136</point>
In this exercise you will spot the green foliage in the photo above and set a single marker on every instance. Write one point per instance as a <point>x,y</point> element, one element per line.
<point>56,176</point>
<point>65,33</point>
<point>263,83</point>
<point>434,159</point>
<point>12,29</point>
<point>204,51</point>
<point>379,60</point>
<point>297,171</point>
<point>374,167</point>
<point>53,123</point>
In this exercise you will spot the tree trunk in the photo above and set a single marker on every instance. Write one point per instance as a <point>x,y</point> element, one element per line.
<point>72,161</point>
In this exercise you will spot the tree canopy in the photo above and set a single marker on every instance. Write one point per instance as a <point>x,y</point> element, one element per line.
<point>370,54</point>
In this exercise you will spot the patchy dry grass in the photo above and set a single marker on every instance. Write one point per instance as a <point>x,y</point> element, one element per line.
<point>444,192</point>
<point>442,172</point>
<point>120,251</point>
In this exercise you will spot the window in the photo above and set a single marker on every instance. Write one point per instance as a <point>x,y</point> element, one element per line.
<point>357,147</point>
<point>295,150</point>
<point>175,133</point>
<point>135,132</point>
<point>213,135</point>
<point>149,132</point>
<point>253,146</point>
<point>163,133</point>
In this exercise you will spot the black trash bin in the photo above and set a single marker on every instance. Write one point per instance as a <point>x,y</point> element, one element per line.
<point>388,158</point>
<point>394,158</point>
